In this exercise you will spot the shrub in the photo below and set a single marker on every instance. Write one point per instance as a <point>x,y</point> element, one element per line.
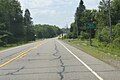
<point>116,31</point>
<point>2,43</point>
<point>103,36</point>
<point>70,35</point>
<point>84,35</point>
<point>116,43</point>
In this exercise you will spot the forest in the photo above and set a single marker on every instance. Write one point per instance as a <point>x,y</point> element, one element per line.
<point>17,27</point>
<point>46,31</point>
<point>102,24</point>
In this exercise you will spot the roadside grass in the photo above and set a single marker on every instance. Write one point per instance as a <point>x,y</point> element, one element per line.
<point>106,48</point>
<point>106,54</point>
<point>16,44</point>
<point>12,45</point>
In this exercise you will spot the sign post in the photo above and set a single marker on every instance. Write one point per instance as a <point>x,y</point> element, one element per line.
<point>91,26</point>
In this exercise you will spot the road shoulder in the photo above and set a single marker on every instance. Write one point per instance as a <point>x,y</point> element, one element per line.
<point>105,57</point>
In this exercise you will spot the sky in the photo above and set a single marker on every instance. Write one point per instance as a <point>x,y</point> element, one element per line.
<point>55,12</point>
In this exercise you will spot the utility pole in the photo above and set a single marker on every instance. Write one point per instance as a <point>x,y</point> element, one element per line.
<point>110,25</point>
<point>77,28</point>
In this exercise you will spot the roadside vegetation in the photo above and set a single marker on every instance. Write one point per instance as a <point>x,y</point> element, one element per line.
<point>17,28</point>
<point>46,31</point>
<point>91,30</point>
<point>101,53</point>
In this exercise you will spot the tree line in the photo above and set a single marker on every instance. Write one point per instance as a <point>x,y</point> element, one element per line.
<point>46,31</point>
<point>14,27</point>
<point>18,27</point>
<point>97,21</point>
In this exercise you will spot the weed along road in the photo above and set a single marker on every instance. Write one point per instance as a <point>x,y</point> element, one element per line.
<point>52,59</point>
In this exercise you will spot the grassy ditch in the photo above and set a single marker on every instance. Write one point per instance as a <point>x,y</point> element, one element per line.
<point>103,53</point>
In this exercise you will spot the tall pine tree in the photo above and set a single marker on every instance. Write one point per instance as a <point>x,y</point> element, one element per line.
<point>78,16</point>
<point>11,20</point>
<point>28,26</point>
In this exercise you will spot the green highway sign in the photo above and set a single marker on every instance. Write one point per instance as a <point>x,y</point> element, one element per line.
<point>90,25</point>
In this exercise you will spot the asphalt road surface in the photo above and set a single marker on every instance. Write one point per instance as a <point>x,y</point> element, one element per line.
<point>53,60</point>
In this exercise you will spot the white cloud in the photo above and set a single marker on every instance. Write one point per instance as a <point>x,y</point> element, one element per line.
<point>92,4</point>
<point>67,2</point>
<point>35,3</point>
<point>45,12</point>
<point>58,12</point>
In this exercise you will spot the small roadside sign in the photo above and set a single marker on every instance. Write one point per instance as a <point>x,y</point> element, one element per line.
<point>90,25</point>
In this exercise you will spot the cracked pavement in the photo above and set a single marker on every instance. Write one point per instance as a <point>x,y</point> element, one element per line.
<point>51,61</point>
<point>57,54</point>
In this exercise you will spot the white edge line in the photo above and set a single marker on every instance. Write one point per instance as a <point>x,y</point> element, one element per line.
<point>92,71</point>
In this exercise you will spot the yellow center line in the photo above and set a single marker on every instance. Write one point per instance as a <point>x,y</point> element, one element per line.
<point>19,56</point>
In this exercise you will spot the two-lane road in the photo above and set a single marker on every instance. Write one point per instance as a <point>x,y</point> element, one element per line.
<point>53,60</point>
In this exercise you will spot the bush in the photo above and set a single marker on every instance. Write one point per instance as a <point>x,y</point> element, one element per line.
<point>116,43</point>
<point>103,36</point>
<point>116,31</point>
<point>84,35</point>
<point>70,35</point>
<point>2,43</point>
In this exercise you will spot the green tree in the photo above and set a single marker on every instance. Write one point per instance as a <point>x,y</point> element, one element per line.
<point>103,35</point>
<point>47,31</point>
<point>102,32</point>
<point>16,20</point>
<point>116,31</point>
<point>115,12</point>
<point>103,11</point>
<point>78,16</point>
<point>82,18</point>
<point>11,20</point>
<point>28,26</point>
<point>73,30</point>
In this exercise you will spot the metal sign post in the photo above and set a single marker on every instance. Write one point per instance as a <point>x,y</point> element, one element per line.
<point>91,26</point>
<point>90,37</point>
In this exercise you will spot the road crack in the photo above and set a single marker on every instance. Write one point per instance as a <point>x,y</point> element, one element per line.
<point>18,70</point>
<point>59,57</point>
<point>62,71</point>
